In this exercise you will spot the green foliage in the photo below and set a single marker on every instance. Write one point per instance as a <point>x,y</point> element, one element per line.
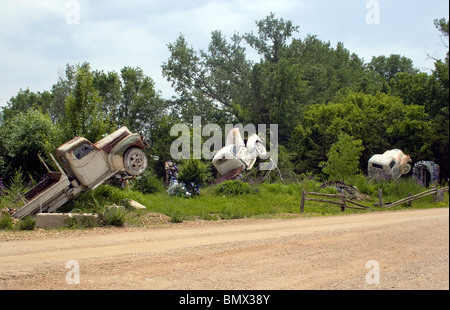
<point>389,67</point>
<point>140,106</point>
<point>176,216</point>
<point>343,158</point>
<point>311,89</point>
<point>83,114</point>
<point>381,122</point>
<point>27,223</point>
<point>148,183</point>
<point>6,222</point>
<point>272,36</point>
<point>194,171</point>
<point>22,137</point>
<point>115,217</point>
<point>232,187</point>
<point>10,197</point>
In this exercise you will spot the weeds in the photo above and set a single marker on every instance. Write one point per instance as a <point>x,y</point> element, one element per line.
<point>27,223</point>
<point>6,222</point>
<point>234,200</point>
<point>115,217</point>
<point>233,187</point>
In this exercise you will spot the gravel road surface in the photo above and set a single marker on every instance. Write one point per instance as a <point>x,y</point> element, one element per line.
<point>389,250</point>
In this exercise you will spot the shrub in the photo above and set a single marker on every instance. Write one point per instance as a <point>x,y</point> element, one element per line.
<point>176,216</point>
<point>148,183</point>
<point>233,187</point>
<point>363,185</point>
<point>194,172</point>
<point>6,222</point>
<point>115,217</point>
<point>27,223</point>
<point>9,197</point>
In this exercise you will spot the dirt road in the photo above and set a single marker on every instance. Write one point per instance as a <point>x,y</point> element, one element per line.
<point>382,250</point>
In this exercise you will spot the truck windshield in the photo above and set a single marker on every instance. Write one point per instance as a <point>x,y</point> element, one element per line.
<point>377,166</point>
<point>82,150</point>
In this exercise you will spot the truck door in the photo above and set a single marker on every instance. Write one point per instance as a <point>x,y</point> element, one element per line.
<point>89,164</point>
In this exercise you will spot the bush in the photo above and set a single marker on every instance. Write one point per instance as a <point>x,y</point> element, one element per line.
<point>233,187</point>
<point>176,216</point>
<point>9,197</point>
<point>194,172</point>
<point>27,223</point>
<point>6,222</point>
<point>363,186</point>
<point>115,217</point>
<point>148,183</point>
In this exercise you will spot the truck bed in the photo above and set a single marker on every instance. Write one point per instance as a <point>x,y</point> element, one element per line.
<point>40,197</point>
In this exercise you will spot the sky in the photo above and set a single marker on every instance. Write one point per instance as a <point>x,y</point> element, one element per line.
<point>38,38</point>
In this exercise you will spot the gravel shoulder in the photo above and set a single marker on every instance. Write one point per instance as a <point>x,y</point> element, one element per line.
<point>406,250</point>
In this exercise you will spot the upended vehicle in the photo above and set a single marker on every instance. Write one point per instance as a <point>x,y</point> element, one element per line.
<point>85,166</point>
<point>237,156</point>
<point>392,164</point>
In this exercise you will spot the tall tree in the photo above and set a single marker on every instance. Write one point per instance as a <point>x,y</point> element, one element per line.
<point>382,122</point>
<point>26,100</point>
<point>141,105</point>
<point>273,36</point>
<point>389,67</point>
<point>109,85</point>
<point>84,115</point>
<point>215,81</point>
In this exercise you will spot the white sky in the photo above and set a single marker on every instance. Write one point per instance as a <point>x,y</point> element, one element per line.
<point>38,38</point>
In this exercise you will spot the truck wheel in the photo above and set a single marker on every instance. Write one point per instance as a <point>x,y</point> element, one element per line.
<point>260,148</point>
<point>135,161</point>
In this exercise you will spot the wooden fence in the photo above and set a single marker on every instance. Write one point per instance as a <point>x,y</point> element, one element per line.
<point>436,192</point>
<point>344,201</point>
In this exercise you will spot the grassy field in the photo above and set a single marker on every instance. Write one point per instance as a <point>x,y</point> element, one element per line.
<point>233,200</point>
<point>261,200</point>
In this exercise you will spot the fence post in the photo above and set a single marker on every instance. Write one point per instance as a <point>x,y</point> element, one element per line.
<point>410,202</point>
<point>380,197</point>
<point>343,203</point>
<point>438,195</point>
<point>302,202</point>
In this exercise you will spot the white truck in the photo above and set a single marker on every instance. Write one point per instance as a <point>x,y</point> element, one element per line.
<point>391,164</point>
<point>236,156</point>
<point>86,166</point>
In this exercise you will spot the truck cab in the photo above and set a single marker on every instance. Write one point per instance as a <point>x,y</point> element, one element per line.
<point>90,163</point>
<point>391,164</point>
<point>85,166</point>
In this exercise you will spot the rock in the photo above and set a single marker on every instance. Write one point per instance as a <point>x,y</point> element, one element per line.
<point>135,205</point>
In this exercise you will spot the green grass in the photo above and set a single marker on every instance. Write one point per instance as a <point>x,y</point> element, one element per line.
<point>262,201</point>
<point>236,200</point>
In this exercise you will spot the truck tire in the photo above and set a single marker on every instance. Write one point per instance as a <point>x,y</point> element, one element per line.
<point>260,149</point>
<point>135,161</point>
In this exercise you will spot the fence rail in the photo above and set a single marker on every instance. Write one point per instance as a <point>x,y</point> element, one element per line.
<point>437,192</point>
<point>344,201</point>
